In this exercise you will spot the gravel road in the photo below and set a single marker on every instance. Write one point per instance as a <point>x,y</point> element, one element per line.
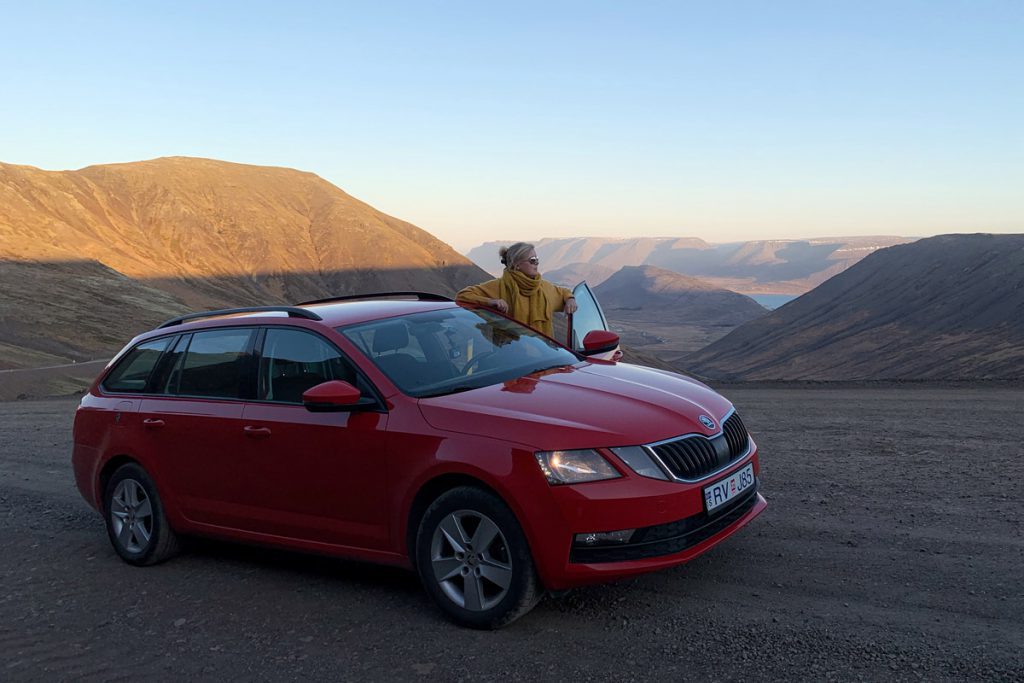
<point>891,548</point>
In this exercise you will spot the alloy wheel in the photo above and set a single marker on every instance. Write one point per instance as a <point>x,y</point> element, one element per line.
<point>470,560</point>
<point>131,516</point>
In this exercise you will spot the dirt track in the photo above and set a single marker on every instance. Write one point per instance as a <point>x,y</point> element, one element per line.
<point>891,548</point>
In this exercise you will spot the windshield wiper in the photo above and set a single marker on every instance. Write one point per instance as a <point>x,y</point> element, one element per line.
<point>452,390</point>
<point>547,367</point>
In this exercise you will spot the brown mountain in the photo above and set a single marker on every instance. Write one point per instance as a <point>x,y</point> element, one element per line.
<point>89,257</point>
<point>768,266</point>
<point>947,307</point>
<point>670,315</point>
<point>652,293</point>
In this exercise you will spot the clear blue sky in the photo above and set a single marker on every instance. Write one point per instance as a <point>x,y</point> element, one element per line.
<point>476,120</point>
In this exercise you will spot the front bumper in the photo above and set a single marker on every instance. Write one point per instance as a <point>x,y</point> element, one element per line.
<point>671,525</point>
<point>668,539</point>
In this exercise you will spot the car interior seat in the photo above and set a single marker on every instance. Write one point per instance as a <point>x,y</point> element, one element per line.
<point>401,367</point>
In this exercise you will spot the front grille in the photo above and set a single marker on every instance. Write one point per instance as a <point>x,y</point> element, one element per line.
<point>666,539</point>
<point>696,456</point>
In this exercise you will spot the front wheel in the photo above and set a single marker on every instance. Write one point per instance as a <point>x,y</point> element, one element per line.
<point>474,561</point>
<point>136,523</point>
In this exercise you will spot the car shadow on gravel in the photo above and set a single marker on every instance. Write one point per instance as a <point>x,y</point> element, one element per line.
<point>310,566</point>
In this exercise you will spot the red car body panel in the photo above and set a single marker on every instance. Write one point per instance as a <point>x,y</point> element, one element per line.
<point>585,406</point>
<point>345,483</point>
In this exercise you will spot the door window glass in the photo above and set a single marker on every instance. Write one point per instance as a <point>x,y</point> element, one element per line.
<point>588,316</point>
<point>132,373</point>
<point>215,364</point>
<point>294,361</point>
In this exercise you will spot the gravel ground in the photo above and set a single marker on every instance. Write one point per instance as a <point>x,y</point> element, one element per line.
<point>891,548</point>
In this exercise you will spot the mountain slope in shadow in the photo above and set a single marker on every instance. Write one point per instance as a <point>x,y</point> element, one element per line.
<point>948,307</point>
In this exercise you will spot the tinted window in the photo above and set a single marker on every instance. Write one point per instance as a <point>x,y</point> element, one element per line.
<point>132,373</point>
<point>294,361</point>
<point>215,364</point>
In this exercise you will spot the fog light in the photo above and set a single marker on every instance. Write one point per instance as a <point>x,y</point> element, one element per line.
<point>593,538</point>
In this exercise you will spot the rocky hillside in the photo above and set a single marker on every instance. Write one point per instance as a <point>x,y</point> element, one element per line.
<point>89,257</point>
<point>947,307</point>
<point>771,266</point>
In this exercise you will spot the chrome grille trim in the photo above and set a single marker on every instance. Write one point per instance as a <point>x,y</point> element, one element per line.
<point>701,455</point>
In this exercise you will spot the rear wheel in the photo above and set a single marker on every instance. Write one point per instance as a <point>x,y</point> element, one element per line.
<point>136,523</point>
<point>474,561</point>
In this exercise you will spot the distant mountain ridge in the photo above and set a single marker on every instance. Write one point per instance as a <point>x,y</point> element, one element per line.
<point>575,273</point>
<point>942,308</point>
<point>770,266</point>
<point>89,257</point>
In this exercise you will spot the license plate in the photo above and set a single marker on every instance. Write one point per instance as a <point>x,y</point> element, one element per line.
<point>724,490</point>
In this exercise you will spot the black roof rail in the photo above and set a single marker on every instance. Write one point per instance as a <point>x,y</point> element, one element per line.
<point>292,312</point>
<point>421,296</point>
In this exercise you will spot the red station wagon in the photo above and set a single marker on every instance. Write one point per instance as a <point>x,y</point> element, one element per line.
<point>409,430</point>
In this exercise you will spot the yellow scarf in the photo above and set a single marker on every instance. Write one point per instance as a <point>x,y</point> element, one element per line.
<point>526,300</point>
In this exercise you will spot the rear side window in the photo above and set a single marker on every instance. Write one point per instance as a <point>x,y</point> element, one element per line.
<point>132,373</point>
<point>215,365</point>
<point>294,361</point>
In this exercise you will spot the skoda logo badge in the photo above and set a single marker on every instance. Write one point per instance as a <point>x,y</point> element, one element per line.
<point>707,421</point>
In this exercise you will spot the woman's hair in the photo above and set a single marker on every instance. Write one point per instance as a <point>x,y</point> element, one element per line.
<point>512,255</point>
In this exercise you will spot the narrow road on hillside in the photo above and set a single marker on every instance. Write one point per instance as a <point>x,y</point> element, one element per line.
<point>62,365</point>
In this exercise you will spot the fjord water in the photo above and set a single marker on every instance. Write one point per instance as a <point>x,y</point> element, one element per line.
<point>772,301</point>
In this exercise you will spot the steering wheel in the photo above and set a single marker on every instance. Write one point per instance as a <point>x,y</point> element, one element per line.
<point>469,367</point>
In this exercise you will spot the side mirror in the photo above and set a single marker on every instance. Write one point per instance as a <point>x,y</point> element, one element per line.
<point>330,396</point>
<point>599,341</point>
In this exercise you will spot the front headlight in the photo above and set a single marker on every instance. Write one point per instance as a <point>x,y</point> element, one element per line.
<point>574,467</point>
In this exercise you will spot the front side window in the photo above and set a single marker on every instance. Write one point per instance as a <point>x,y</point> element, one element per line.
<point>455,349</point>
<point>215,364</point>
<point>294,361</point>
<point>132,373</point>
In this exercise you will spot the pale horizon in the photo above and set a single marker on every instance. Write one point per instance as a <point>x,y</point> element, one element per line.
<point>476,123</point>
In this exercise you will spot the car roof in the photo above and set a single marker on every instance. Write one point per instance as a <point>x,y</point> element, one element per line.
<point>338,314</point>
<point>331,313</point>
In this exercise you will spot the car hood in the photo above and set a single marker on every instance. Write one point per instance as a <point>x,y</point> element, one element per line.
<point>582,406</point>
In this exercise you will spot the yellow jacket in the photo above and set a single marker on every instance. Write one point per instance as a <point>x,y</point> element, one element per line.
<point>554,298</point>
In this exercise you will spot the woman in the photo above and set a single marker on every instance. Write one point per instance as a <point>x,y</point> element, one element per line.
<point>520,292</point>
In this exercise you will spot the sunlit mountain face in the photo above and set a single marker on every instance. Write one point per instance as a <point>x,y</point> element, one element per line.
<point>90,257</point>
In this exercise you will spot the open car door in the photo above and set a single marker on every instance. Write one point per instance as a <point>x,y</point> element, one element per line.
<point>587,318</point>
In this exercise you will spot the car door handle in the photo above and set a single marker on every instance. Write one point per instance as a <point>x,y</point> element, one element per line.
<point>257,432</point>
<point>153,423</point>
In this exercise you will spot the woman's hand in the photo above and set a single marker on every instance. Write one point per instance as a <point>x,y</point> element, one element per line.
<point>570,306</point>
<point>499,305</point>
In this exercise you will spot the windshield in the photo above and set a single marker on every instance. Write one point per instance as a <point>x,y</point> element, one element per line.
<point>455,349</point>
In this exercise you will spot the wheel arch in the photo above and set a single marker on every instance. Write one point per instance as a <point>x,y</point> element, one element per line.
<point>430,491</point>
<point>107,471</point>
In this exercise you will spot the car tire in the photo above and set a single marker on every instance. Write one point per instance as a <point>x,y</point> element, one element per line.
<point>136,524</point>
<point>474,561</point>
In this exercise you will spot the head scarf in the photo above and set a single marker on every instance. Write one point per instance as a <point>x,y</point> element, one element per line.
<point>526,300</point>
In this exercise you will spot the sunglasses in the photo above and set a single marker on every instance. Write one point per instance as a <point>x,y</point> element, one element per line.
<point>534,260</point>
